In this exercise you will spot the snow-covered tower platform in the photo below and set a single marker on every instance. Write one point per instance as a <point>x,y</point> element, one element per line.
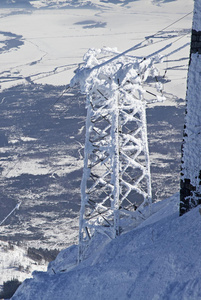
<point>116,182</point>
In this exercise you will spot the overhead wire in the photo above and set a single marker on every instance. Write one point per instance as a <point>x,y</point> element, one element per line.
<point>173,23</point>
<point>139,45</point>
<point>11,212</point>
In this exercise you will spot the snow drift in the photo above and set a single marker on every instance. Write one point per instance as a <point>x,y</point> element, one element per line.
<point>160,259</point>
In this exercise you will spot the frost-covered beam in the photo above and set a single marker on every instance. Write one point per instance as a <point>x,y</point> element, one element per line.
<point>190,192</point>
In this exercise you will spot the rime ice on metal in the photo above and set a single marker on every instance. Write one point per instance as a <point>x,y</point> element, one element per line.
<point>116,182</point>
<point>190,192</point>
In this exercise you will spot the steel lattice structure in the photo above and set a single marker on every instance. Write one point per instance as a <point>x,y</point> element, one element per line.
<point>116,182</point>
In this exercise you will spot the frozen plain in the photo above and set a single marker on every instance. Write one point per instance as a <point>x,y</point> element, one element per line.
<point>42,164</point>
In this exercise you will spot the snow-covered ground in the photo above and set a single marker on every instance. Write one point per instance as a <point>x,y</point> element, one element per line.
<point>42,124</point>
<point>160,259</point>
<point>14,263</point>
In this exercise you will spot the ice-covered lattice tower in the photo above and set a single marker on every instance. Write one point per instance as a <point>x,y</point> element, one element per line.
<point>116,182</point>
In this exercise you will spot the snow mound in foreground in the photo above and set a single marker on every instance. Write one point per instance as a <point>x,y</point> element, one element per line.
<point>160,259</point>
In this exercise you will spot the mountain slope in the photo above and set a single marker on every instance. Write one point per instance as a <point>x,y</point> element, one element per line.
<point>160,259</point>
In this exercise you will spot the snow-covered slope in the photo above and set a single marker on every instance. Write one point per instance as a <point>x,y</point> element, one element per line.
<point>160,259</point>
<point>15,263</point>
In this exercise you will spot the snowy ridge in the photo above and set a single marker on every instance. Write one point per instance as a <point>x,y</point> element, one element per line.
<point>160,259</point>
<point>58,4</point>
